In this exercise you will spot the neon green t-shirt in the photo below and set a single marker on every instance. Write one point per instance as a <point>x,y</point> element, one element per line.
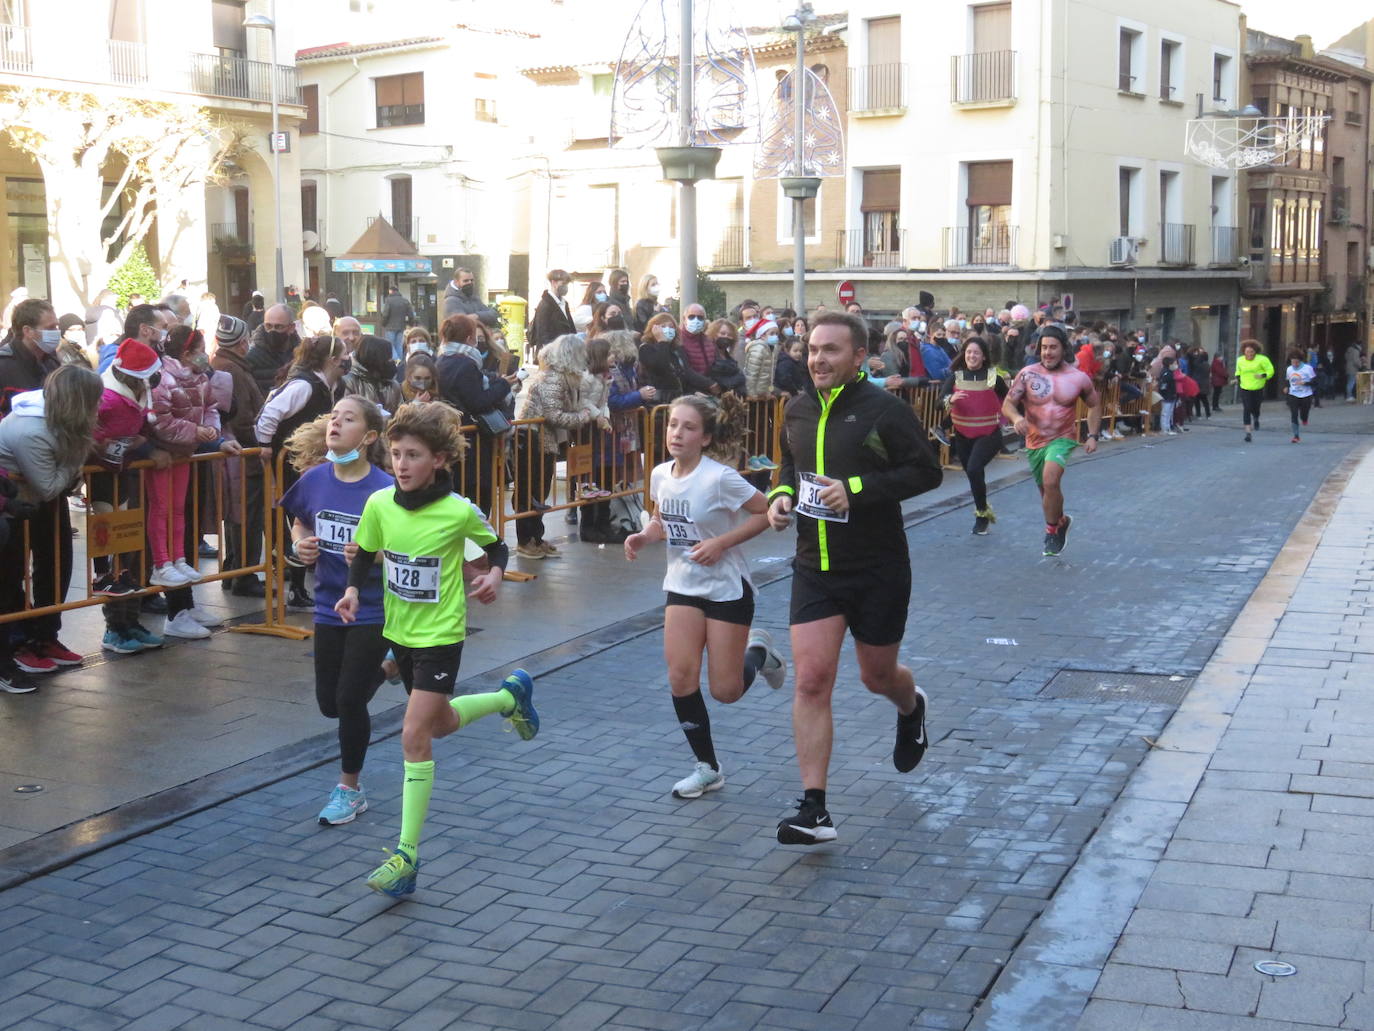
<point>1254,372</point>
<point>424,601</point>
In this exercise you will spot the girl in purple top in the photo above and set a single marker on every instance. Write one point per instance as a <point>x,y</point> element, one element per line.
<point>339,455</point>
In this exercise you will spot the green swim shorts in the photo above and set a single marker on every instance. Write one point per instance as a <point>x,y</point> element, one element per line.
<point>1057,450</point>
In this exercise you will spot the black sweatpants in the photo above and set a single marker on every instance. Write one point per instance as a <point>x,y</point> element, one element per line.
<point>1250,404</point>
<point>974,455</point>
<point>348,671</point>
<point>1299,408</point>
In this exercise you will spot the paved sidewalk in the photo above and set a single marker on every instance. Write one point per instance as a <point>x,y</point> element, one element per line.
<point>1246,834</point>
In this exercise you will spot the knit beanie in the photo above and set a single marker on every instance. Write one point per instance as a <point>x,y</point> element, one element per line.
<point>230,331</point>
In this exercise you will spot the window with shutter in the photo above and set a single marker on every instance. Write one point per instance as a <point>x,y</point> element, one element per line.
<point>400,99</point>
<point>310,96</point>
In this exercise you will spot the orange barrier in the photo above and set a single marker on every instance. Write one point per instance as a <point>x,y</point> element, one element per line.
<point>116,528</point>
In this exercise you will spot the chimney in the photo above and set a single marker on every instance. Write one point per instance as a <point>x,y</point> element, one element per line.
<point>1305,48</point>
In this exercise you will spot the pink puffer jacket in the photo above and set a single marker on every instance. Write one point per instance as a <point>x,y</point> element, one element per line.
<point>181,404</point>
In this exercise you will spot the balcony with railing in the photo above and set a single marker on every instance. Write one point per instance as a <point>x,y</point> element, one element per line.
<point>991,246</point>
<point>1225,246</point>
<point>877,89</point>
<point>231,241</point>
<point>986,79</point>
<point>16,49</point>
<point>1176,243</point>
<point>128,62</point>
<point>728,252</point>
<point>225,75</point>
<point>854,248</point>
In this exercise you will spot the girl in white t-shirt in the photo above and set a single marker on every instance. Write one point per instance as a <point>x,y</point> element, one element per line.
<point>1300,380</point>
<point>705,510</point>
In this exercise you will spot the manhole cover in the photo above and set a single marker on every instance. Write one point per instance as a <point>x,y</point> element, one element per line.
<point>1095,685</point>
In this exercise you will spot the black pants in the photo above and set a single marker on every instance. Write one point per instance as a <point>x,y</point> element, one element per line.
<point>1200,403</point>
<point>974,455</point>
<point>1216,399</point>
<point>1299,408</point>
<point>534,477</point>
<point>1250,404</point>
<point>50,545</point>
<point>348,671</point>
<point>476,482</point>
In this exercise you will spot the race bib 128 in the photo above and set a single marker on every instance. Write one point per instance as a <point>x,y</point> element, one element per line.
<point>413,579</point>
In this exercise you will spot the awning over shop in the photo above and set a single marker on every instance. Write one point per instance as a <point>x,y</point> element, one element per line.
<point>382,249</point>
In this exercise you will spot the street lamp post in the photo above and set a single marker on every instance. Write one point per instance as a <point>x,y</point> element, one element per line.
<point>799,186</point>
<point>269,22</point>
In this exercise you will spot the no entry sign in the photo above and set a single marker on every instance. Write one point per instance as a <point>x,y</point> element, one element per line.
<point>845,292</point>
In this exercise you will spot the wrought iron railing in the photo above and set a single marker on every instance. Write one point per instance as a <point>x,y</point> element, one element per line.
<point>983,78</point>
<point>729,249</point>
<point>1176,243</point>
<point>231,240</point>
<point>877,87</point>
<point>220,75</point>
<point>856,249</point>
<point>128,62</point>
<point>1225,245</point>
<point>16,49</point>
<point>990,246</point>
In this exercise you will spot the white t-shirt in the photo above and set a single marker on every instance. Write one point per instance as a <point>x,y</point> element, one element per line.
<point>1300,380</point>
<point>706,503</point>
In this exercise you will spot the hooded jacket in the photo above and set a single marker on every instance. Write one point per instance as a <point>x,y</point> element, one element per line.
<point>26,448</point>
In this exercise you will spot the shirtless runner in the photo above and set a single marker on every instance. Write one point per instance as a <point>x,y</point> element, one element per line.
<point>1050,390</point>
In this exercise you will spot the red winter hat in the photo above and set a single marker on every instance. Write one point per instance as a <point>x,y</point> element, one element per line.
<point>135,358</point>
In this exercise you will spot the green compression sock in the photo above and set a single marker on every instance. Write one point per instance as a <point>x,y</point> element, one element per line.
<point>474,706</point>
<point>415,805</point>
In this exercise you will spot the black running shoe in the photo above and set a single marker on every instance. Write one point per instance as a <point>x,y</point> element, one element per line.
<point>810,826</point>
<point>111,586</point>
<point>1063,533</point>
<point>1052,545</point>
<point>938,432</point>
<point>299,600</point>
<point>980,525</point>
<point>910,748</point>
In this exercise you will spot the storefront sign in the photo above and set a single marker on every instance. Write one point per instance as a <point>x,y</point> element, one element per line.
<point>382,265</point>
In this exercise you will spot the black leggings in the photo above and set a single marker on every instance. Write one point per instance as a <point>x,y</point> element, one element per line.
<point>974,455</point>
<point>348,671</point>
<point>1250,403</point>
<point>1216,399</point>
<point>1299,408</point>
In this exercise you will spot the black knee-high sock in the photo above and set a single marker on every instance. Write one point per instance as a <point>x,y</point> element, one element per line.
<point>754,658</point>
<point>696,727</point>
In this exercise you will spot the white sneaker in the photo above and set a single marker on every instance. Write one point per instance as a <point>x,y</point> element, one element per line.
<point>698,782</point>
<point>190,572</point>
<point>204,616</point>
<point>774,668</point>
<point>183,624</point>
<point>167,575</point>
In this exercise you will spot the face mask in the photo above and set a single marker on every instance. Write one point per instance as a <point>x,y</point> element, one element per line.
<point>615,322</point>
<point>154,380</point>
<point>695,324</point>
<point>421,348</point>
<point>963,324</point>
<point>751,322</point>
<point>653,290</point>
<point>724,343</point>
<point>75,336</point>
<point>562,289</point>
<point>338,459</point>
<point>788,331</point>
<point>467,289</point>
<point>1140,339</point>
<point>601,296</point>
<point>669,334</point>
<point>277,338</point>
<point>771,339</point>
<point>421,387</point>
<point>48,339</point>
<point>346,366</point>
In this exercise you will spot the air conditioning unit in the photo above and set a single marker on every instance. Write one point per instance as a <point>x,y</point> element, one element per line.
<point>1124,250</point>
<point>310,241</point>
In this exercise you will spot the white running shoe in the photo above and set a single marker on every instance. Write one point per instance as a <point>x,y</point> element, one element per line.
<point>698,782</point>
<point>204,616</point>
<point>183,624</point>
<point>167,575</point>
<point>774,668</point>
<point>190,572</point>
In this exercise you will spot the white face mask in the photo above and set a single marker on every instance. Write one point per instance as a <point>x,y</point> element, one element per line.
<point>653,290</point>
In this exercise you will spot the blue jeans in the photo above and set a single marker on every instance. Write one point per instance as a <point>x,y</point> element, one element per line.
<point>396,336</point>
<point>1350,385</point>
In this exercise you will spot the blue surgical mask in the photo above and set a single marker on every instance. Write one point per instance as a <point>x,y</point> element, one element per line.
<point>788,331</point>
<point>601,296</point>
<point>695,324</point>
<point>48,339</point>
<point>669,333</point>
<point>344,459</point>
<point>771,340</point>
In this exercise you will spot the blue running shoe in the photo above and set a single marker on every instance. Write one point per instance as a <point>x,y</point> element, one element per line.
<point>114,641</point>
<point>395,877</point>
<point>523,717</point>
<point>145,638</point>
<point>343,807</point>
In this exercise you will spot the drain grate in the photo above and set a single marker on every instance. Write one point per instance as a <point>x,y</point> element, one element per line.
<point>1110,686</point>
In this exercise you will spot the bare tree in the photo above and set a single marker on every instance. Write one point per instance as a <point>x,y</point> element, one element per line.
<point>149,150</point>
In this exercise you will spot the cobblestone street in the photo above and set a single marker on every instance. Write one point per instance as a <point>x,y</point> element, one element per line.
<point>563,887</point>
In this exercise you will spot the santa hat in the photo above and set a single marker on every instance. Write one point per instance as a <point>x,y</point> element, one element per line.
<point>135,358</point>
<point>762,329</point>
<point>230,331</point>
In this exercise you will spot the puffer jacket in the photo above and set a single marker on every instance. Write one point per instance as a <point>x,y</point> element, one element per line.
<point>758,369</point>
<point>182,403</point>
<point>123,416</point>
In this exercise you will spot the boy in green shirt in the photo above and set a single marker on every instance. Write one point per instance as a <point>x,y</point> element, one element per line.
<point>420,528</point>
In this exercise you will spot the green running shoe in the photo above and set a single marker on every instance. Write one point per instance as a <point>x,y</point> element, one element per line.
<point>395,877</point>
<point>523,717</point>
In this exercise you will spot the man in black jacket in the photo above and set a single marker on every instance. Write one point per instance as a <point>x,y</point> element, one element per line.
<point>460,298</point>
<point>464,385</point>
<point>552,318</point>
<point>851,454</point>
<point>272,345</point>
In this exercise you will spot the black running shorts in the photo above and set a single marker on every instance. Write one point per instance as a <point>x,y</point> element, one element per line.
<point>428,669</point>
<point>872,601</point>
<point>740,611</point>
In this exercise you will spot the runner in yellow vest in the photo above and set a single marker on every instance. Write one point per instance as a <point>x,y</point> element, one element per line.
<point>1253,371</point>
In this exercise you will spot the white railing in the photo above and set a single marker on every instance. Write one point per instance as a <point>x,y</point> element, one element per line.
<point>16,51</point>
<point>128,62</point>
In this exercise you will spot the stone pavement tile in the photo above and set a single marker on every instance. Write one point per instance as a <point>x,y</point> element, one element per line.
<point>1173,954</point>
<point>1110,1015</point>
<point>1318,994</point>
<point>1188,898</point>
<point>1192,927</point>
<point>1145,985</point>
<point>1219,875</point>
<point>1213,993</point>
